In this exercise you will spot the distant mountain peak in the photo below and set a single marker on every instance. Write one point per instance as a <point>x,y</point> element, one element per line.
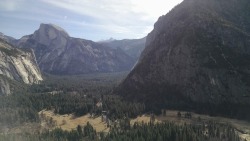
<point>56,27</point>
<point>48,32</point>
<point>107,40</point>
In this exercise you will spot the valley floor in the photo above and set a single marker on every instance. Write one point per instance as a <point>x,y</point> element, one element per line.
<point>69,122</point>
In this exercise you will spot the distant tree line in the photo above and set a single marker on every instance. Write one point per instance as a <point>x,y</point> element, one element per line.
<point>169,131</point>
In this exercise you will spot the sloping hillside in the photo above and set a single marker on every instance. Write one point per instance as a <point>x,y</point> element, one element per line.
<point>196,58</point>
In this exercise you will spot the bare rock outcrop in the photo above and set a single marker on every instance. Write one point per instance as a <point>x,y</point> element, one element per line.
<point>17,65</point>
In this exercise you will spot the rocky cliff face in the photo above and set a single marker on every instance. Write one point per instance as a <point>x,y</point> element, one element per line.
<point>17,65</point>
<point>58,53</point>
<point>4,87</point>
<point>198,53</point>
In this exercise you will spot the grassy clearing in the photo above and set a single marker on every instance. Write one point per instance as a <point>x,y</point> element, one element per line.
<point>143,118</point>
<point>69,122</point>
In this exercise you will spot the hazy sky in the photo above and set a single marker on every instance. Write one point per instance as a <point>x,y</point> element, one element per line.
<point>89,19</point>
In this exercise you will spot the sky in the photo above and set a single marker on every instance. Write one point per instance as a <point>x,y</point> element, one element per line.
<point>89,19</point>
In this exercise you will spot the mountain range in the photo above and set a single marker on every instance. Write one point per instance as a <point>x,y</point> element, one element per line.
<point>58,53</point>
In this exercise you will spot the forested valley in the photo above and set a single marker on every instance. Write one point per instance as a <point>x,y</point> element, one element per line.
<point>79,95</point>
<point>66,95</point>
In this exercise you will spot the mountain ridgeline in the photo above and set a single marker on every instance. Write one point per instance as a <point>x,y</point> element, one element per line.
<point>8,39</point>
<point>133,47</point>
<point>58,53</point>
<point>197,57</point>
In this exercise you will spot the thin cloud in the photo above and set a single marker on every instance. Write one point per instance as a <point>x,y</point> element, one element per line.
<point>123,15</point>
<point>90,19</point>
<point>102,10</point>
<point>10,5</point>
<point>117,11</point>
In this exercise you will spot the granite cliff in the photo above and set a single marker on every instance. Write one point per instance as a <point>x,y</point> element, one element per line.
<point>197,57</point>
<point>17,65</point>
